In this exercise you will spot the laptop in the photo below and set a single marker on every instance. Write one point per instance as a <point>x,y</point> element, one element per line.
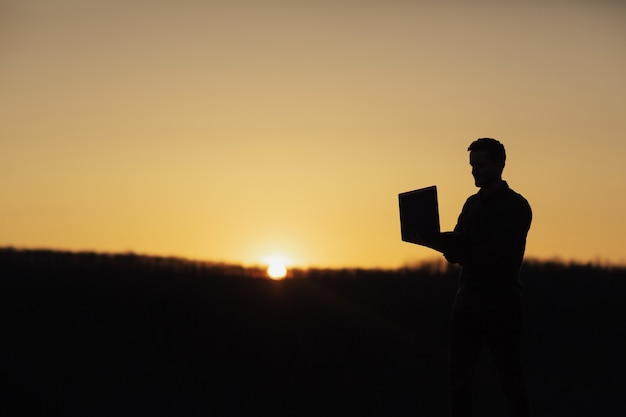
<point>419,213</point>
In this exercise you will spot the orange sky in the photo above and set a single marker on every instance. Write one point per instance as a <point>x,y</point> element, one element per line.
<point>233,131</point>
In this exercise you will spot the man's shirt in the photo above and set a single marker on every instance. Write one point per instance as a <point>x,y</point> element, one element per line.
<point>491,232</point>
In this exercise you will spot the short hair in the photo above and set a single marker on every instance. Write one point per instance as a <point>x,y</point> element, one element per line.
<point>495,150</point>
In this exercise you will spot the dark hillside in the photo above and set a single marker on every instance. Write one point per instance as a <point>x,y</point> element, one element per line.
<point>100,335</point>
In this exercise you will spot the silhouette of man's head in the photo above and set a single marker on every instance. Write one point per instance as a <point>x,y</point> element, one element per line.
<point>487,158</point>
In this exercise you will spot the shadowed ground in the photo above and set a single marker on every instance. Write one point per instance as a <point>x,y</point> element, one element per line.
<point>87,334</point>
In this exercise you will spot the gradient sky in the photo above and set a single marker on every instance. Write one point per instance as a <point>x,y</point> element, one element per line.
<point>236,130</point>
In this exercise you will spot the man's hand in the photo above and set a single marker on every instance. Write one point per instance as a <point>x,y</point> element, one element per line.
<point>451,257</point>
<point>441,242</point>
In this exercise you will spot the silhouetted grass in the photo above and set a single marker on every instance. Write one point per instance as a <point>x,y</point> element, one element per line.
<point>122,334</point>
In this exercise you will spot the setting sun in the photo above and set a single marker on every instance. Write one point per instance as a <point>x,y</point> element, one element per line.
<point>276,266</point>
<point>276,270</point>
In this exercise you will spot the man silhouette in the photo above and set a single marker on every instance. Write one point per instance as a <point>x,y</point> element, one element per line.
<point>488,242</point>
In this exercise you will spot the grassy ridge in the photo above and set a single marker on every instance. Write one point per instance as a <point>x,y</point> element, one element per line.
<point>93,334</point>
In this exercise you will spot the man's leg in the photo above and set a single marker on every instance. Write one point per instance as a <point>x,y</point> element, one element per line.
<point>504,337</point>
<point>465,342</point>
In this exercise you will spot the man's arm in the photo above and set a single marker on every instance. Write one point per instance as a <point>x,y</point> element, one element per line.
<point>443,242</point>
<point>455,249</point>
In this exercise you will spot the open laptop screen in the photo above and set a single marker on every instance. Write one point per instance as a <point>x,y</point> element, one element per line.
<point>419,213</point>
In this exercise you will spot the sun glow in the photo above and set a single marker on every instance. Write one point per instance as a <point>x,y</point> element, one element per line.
<point>276,267</point>
<point>277,270</point>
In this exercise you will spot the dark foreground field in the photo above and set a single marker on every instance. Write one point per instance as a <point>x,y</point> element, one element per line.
<point>124,335</point>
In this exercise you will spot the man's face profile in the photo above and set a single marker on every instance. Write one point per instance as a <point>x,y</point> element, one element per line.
<point>485,170</point>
